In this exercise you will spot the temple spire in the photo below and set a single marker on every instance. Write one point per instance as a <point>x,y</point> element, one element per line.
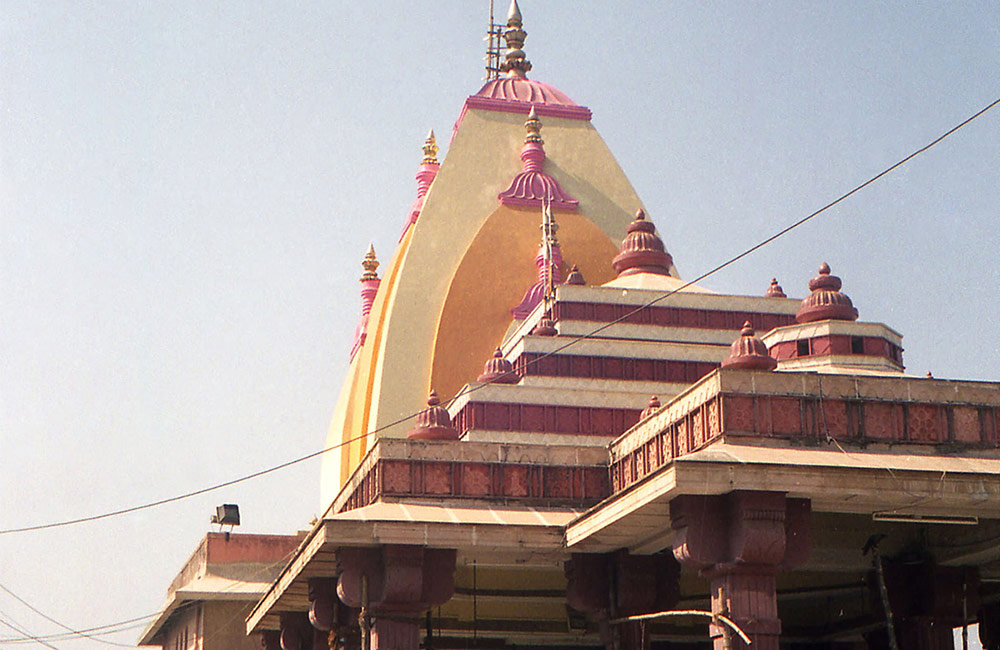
<point>428,170</point>
<point>515,65</point>
<point>369,288</point>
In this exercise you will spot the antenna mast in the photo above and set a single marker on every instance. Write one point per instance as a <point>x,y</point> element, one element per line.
<point>493,36</point>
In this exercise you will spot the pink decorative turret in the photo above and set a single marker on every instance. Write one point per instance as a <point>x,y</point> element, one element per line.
<point>546,327</point>
<point>536,292</point>
<point>749,352</point>
<point>826,301</point>
<point>433,423</point>
<point>642,251</point>
<point>575,277</point>
<point>498,370</point>
<point>532,186</point>
<point>775,290</point>
<point>369,287</point>
<point>429,167</point>
<point>652,407</point>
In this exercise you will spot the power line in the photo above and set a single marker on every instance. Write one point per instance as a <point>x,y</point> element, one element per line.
<point>120,626</point>
<point>6,620</point>
<point>48,618</point>
<point>574,341</point>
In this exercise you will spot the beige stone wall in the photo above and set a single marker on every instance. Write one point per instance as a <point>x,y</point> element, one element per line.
<point>185,632</point>
<point>225,627</point>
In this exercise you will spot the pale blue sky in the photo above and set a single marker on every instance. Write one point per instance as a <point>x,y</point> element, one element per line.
<point>187,190</point>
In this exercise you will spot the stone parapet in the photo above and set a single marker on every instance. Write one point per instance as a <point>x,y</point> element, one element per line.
<point>540,475</point>
<point>810,409</point>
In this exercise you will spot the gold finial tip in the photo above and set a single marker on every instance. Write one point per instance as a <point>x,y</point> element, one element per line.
<point>370,264</point>
<point>430,149</point>
<point>533,126</point>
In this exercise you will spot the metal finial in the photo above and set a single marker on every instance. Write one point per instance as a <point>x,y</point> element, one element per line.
<point>514,13</point>
<point>515,64</point>
<point>549,225</point>
<point>534,127</point>
<point>370,264</point>
<point>430,149</point>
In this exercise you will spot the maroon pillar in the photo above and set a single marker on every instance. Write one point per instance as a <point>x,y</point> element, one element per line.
<point>639,584</point>
<point>989,626</point>
<point>927,603</point>
<point>740,541</point>
<point>336,624</point>
<point>401,582</point>
<point>296,633</point>
<point>270,640</point>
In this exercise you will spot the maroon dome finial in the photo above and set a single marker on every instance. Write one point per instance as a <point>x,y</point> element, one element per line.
<point>775,290</point>
<point>826,302</point>
<point>575,277</point>
<point>433,423</point>
<point>652,407</point>
<point>642,251</point>
<point>749,352</point>
<point>498,370</point>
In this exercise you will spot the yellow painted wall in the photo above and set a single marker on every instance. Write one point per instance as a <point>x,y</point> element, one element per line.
<point>415,313</point>
<point>492,277</point>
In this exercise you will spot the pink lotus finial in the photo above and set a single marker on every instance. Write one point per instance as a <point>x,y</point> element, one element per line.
<point>533,187</point>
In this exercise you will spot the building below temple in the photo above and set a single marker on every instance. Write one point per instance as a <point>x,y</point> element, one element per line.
<point>209,599</point>
<point>786,474</point>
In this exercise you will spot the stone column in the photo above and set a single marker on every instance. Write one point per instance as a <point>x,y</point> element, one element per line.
<point>638,584</point>
<point>740,541</point>
<point>395,584</point>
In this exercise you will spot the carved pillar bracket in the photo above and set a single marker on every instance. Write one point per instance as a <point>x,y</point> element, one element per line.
<point>740,541</point>
<point>639,584</point>
<point>402,581</point>
<point>336,624</point>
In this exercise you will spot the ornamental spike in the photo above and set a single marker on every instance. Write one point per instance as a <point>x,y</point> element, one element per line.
<point>370,264</point>
<point>430,150</point>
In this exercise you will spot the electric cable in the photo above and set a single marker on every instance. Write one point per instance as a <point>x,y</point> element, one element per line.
<point>574,341</point>
<point>6,620</point>
<point>48,618</point>
<point>126,624</point>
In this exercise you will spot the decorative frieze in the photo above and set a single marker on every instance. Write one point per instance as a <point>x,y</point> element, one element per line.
<point>544,418</point>
<point>503,482</point>
<point>669,316</point>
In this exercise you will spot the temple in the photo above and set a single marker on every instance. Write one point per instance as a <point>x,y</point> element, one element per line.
<point>604,455</point>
